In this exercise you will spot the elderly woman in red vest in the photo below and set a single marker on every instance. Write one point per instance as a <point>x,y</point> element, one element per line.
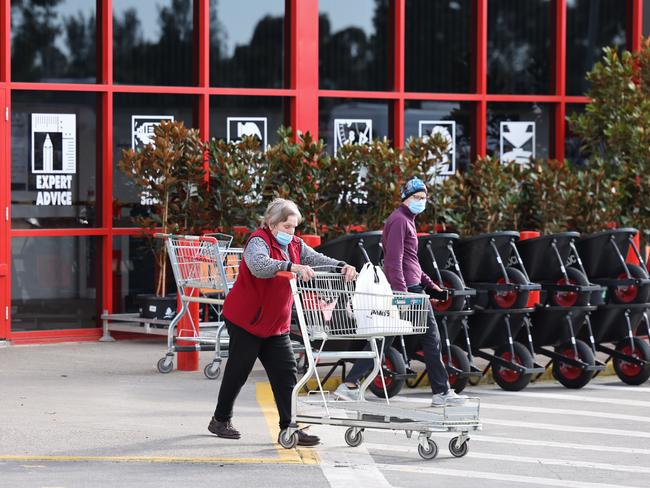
<point>257,312</point>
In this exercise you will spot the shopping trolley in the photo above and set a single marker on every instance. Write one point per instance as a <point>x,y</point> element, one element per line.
<point>328,309</point>
<point>205,268</point>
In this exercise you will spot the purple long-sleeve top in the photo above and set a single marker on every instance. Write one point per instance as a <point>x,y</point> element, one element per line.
<point>400,241</point>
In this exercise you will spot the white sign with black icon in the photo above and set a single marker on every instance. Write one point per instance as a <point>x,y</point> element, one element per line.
<point>351,131</point>
<point>142,129</point>
<point>447,129</point>
<point>54,157</point>
<point>517,142</point>
<point>239,127</point>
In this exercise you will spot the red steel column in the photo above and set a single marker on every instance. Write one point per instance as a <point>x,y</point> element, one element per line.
<point>480,115</point>
<point>303,59</point>
<point>559,82</point>
<point>5,168</point>
<point>203,59</point>
<point>398,19</point>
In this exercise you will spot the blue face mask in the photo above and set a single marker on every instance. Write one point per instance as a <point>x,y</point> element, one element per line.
<point>417,206</point>
<point>283,238</point>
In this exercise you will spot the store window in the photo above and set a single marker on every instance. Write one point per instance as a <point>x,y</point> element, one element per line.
<point>451,120</point>
<point>591,25</point>
<point>53,160</point>
<point>646,18</point>
<point>231,118</point>
<point>133,116</point>
<point>354,44</point>
<point>439,46</point>
<point>153,42</point>
<point>519,46</point>
<point>133,272</point>
<point>573,150</point>
<point>53,41</point>
<point>344,121</point>
<point>517,132</point>
<point>247,44</point>
<point>55,282</point>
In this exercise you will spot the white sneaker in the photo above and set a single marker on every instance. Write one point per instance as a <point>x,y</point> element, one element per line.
<point>344,392</point>
<point>449,398</point>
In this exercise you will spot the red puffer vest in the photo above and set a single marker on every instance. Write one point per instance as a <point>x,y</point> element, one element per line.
<point>262,307</point>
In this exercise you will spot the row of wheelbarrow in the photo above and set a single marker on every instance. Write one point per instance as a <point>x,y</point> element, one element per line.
<point>562,296</point>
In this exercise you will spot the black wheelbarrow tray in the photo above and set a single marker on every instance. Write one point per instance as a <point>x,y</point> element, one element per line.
<point>350,248</point>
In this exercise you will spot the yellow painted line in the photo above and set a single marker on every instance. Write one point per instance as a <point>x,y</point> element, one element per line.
<point>147,459</point>
<point>266,401</point>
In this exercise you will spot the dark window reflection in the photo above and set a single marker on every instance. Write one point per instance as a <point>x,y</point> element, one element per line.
<point>53,41</point>
<point>591,25</point>
<point>231,118</point>
<point>133,272</point>
<point>53,160</point>
<point>354,44</point>
<point>572,143</point>
<point>438,45</point>
<point>646,18</point>
<point>152,42</point>
<point>521,129</point>
<point>247,43</point>
<point>343,121</point>
<point>55,282</point>
<point>447,118</point>
<point>519,43</point>
<point>131,114</point>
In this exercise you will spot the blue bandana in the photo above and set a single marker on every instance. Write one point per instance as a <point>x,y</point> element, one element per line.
<point>413,186</point>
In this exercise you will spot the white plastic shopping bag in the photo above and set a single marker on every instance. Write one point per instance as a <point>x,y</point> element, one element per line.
<point>372,303</point>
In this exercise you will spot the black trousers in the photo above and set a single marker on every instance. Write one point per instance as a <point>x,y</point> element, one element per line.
<point>275,354</point>
<point>430,340</point>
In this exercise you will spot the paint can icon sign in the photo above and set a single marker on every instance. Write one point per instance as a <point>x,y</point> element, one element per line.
<point>48,154</point>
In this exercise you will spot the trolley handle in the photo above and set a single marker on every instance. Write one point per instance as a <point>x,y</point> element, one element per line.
<point>160,235</point>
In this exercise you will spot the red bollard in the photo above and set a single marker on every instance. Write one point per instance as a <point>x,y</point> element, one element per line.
<point>188,361</point>
<point>533,297</point>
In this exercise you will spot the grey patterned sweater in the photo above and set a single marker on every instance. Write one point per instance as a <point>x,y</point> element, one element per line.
<point>260,264</point>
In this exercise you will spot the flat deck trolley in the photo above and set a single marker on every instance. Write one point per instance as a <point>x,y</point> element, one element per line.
<point>205,268</point>
<point>328,309</point>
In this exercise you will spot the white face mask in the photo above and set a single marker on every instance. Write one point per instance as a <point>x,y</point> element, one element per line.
<point>283,238</point>
<point>417,206</point>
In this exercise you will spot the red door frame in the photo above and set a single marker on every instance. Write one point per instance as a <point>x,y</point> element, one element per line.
<point>5,187</point>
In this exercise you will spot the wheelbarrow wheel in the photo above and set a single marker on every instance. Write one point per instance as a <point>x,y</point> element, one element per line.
<point>511,298</point>
<point>628,372</point>
<point>394,363</point>
<point>451,281</point>
<point>570,376</point>
<point>631,293</point>
<point>509,379</point>
<point>459,360</point>
<point>570,298</point>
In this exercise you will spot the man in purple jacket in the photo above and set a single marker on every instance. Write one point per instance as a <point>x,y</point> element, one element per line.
<point>404,273</point>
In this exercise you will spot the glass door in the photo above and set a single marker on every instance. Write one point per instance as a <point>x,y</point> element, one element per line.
<point>4,217</point>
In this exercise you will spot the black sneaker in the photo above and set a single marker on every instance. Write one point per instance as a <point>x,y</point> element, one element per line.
<point>224,430</point>
<point>307,440</point>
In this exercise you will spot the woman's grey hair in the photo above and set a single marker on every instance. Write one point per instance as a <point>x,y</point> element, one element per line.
<point>279,211</point>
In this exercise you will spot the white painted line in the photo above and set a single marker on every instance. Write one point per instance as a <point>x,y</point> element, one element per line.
<point>528,460</point>
<point>484,475</point>
<point>566,428</point>
<point>566,397</point>
<point>556,445</point>
<point>623,388</point>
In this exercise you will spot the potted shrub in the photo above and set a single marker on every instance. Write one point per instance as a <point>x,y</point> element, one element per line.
<point>170,175</point>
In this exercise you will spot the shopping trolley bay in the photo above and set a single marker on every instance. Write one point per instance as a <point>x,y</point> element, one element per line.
<point>99,414</point>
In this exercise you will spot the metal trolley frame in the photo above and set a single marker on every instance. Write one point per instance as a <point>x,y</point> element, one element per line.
<point>329,308</point>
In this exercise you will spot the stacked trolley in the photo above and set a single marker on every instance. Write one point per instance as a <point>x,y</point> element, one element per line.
<point>563,314</point>
<point>619,315</point>
<point>329,309</point>
<point>438,261</point>
<point>205,268</point>
<point>491,264</point>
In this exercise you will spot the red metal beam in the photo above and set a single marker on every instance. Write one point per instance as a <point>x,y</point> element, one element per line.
<point>94,231</point>
<point>5,40</point>
<point>634,24</point>
<point>5,218</point>
<point>479,148</point>
<point>202,9</point>
<point>397,40</point>
<point>54,336</point>
<point>559,57</point>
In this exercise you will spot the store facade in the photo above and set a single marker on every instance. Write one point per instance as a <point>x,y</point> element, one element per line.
<point>82,80</point>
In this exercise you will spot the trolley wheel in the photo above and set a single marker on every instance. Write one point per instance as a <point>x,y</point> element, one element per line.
<point>459,360</point>
<point>451,281</point>
<point>287,441</point>
<point>353,440</point>
<point>631,293</point>
<point>570,298</point>
<point>510,298</point>
<point>458,451</point>
<point>393,362</point>
<point>631,373</point>
<point>429,452</point>
<point>165,365</point>
<point>212,371</point>
<point>509,379</point>
<point>573,376</point>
